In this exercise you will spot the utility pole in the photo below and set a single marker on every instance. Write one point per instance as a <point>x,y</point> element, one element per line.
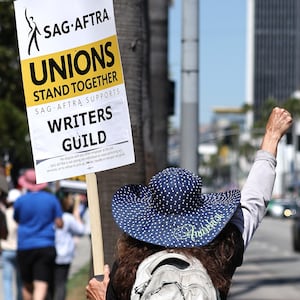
<point>189,85</point>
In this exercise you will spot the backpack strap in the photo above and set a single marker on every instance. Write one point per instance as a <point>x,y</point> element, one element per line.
<point>173,261</point>
<point>163,257</point>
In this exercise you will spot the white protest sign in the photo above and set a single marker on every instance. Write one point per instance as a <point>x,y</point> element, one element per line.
<point>74,87</point>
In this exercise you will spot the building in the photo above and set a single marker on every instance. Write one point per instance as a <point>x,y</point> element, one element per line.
<point>273,71</point>
<point>273,57</point>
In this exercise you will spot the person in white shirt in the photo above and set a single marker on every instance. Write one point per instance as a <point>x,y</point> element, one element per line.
<point>64,241</point>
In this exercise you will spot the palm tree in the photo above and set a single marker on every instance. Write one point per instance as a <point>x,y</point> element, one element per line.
<point>131,24</point>
<point>159,83</point>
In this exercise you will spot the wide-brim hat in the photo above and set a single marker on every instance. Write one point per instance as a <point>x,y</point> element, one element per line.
<point>171,211</point>
<point>28,181</point>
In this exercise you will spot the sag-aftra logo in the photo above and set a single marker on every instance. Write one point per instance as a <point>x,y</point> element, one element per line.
<point>74,71</point>
<point>35,33</point>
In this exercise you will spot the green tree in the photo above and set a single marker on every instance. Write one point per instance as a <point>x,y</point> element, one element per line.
<point>293,106</point>
<point>13,128</point>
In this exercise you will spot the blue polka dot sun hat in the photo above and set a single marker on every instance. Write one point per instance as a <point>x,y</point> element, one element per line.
<point>171,211</point>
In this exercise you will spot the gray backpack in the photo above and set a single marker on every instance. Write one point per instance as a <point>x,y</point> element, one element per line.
<point>172,276</point>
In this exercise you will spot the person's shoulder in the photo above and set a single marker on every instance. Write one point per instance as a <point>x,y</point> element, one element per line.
<point>21,199</point>
<point>47,194</point>
<point>49,198</point>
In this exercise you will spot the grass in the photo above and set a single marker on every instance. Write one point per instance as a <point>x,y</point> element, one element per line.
<point>77,283</point>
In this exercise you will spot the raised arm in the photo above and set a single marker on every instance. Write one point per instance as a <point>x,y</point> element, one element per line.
<point>258,188</point>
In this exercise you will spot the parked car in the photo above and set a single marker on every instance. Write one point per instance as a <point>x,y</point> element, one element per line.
<point>281,208</point>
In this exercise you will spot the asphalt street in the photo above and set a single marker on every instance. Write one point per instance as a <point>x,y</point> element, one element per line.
<point>271,268</point>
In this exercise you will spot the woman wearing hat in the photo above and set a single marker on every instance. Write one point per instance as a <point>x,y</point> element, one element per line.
<point>172,213</point>
<point>37,213</point>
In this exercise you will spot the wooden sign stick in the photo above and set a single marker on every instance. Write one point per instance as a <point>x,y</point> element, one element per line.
<point>96,228</point>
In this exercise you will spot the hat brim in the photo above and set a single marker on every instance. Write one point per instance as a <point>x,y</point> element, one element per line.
<point>133,213</point>
<point>30,186</point>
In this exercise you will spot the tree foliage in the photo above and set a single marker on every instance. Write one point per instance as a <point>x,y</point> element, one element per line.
<point>10,74</point>
<point>13,127</point>
<point>293,106</point>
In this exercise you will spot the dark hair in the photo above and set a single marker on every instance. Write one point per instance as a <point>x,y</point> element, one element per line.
<point>220,258</point>
<point>63,195</point>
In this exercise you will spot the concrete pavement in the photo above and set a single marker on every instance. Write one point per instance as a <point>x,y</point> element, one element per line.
<point>82,257</point>
<point>82,254</point>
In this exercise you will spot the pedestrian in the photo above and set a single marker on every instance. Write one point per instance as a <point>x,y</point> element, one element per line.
<point>172,214</point>
<point>37,213</point>
<point>3,195</point>
<point>65,243</point>
<point>9,251</point>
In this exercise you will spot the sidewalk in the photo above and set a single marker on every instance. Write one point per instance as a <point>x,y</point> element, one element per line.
<point>82,257</point>
<point>82,254</point>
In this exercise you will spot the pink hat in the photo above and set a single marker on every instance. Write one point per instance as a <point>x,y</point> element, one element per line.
<point>28,181</point>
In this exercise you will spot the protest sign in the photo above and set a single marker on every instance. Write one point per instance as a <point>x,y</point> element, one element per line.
<point>75,95</point>
<point>74,87</point>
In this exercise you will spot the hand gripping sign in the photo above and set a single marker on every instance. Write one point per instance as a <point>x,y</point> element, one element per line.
<point>74,90</point>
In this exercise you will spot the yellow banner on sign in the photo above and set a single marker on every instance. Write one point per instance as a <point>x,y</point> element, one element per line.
<point>72,72</point>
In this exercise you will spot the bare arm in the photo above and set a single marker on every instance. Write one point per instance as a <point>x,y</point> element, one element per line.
<point>59,222</point>
<point>257,190</point>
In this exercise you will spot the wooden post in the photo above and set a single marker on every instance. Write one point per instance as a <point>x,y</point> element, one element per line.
<point>95,220</point>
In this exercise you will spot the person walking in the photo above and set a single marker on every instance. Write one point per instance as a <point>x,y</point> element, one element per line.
<point>3,196</point>
<point>37,213</point>
<point>9,251</point>
<point>172,214</point>
<point>65,243</point>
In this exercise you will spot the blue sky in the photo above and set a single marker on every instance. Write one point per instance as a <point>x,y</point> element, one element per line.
<point>222,42</point>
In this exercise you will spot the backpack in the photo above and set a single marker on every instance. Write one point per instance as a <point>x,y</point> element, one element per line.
<point>170,276</point>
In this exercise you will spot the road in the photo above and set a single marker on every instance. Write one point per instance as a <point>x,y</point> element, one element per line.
<point>271,269</point>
